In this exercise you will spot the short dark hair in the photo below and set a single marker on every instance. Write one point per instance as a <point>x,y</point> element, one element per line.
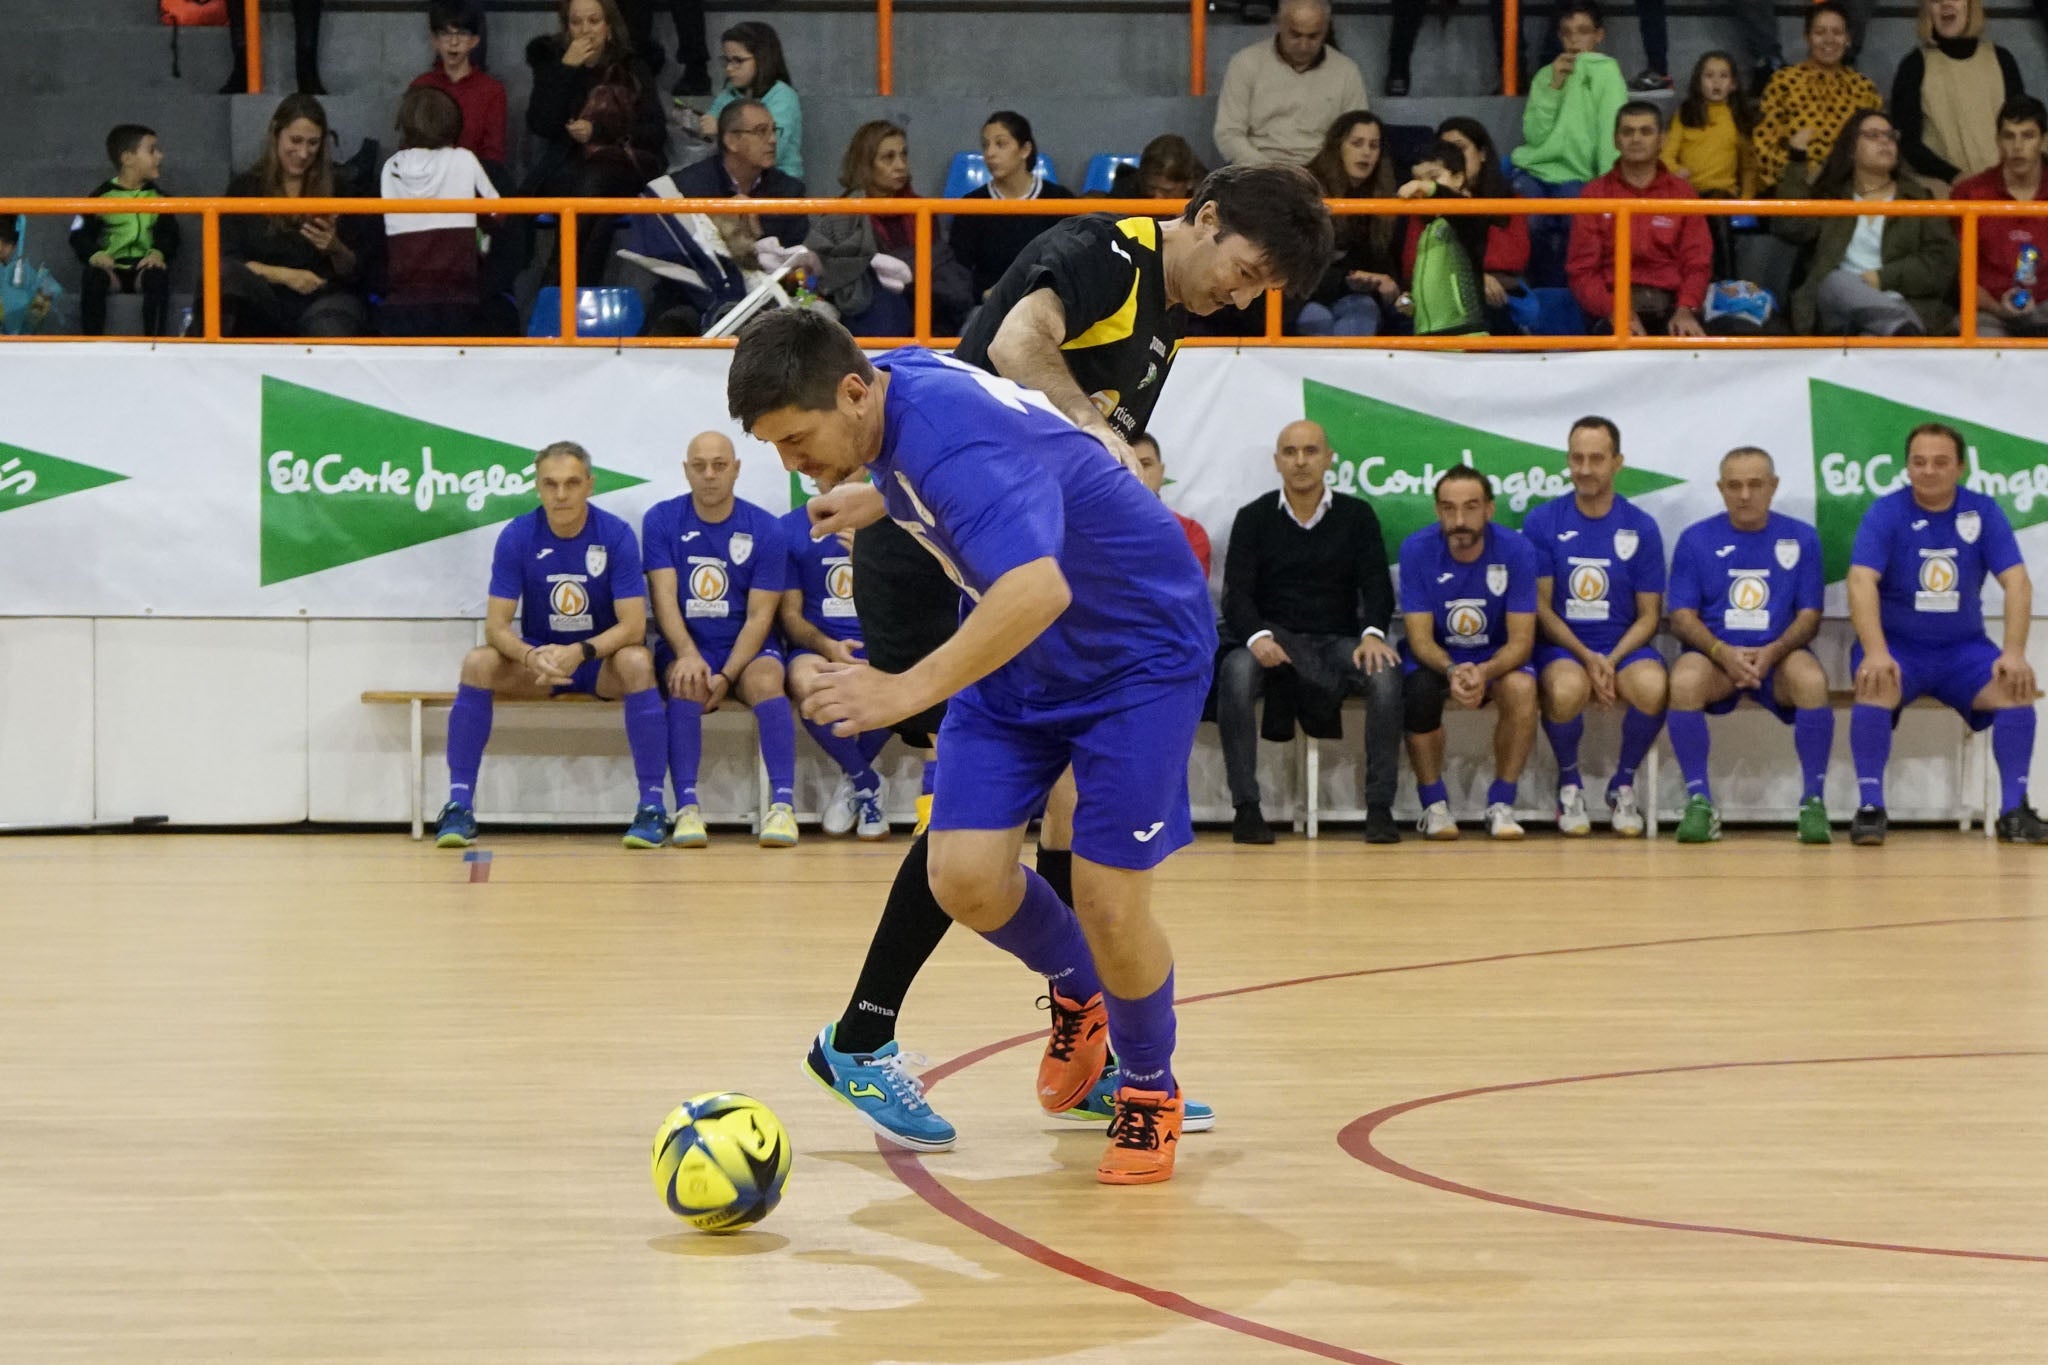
<point>1638,107</point>
<point>1938,429</point>
<point>1590,8</point>
<point>2024,109</point>
<point>1820,7</point>
<point>1019,129</point>
<point>464,15</point>
<point>790,358</point>
<point>428,118</point>
<point>1462,471</point>
<point>1596,423</point>
<point>1279,210</point>
<point>730,116</point>
<point>125,138</point>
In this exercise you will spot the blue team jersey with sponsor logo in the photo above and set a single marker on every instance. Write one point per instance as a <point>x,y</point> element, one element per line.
<point>990,478</point>
<point>823,569</point>
<point>1469,603</point>
<point>1597,565</point>
<point>1931,566</point>
<point>566,588</point>
<point>716,563</point>
<point>1747,585</point>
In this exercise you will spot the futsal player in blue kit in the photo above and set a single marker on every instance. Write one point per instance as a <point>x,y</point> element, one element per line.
<point>716,568</point>
<point>1086,641</point>
<point>572,574</point>
<point>1746,599</point>
<point>821,625</point>
<point>1598,605</point>
<point>1916,583</point>
<point>1468,602</point>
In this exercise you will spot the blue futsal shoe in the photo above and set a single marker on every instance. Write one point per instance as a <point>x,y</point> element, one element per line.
<point>649,829</point>
<point>882,1091</point>
<point>457,826</point>
<point>1100,1106</point>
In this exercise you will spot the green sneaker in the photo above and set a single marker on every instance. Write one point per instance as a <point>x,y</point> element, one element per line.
<point>1701,823</point>
<point>1813,822</point>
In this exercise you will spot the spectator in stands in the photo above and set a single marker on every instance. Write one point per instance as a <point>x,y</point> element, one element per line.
<point>305,47</point>
<point>24,302</point>
<point>1408,17</point>
<point>1671,257</point>
<point>755,70</point>
<point>1805,106</point>
<point>1167,169</point>
<point>457,27</point>
<point>1568,123</point>
<point>2010,278</point>
<point>127,253</point>
<point>745,168</point>
<point>431,278</point>
<point>1709,144</point>
<point>1873,275</point>
<point>1947,94</point>
<point>292,275</point>
<point>692,53</point>
<point>1307,594</point>
<point>1152,473</point>
<point>987,245</point>
<point>1506,254</point>
<point>1279,97</point>
<point>867,262</point>
<point>1362,283</point>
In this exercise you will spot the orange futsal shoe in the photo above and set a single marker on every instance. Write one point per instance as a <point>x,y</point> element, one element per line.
<point>1075,1053</point>
<point>1143,1138</point>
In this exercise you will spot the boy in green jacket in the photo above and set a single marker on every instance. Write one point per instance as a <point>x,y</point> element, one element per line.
<point>1568,123</point>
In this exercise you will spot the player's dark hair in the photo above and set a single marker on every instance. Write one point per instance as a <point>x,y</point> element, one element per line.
<point>1938,429</point>
<point>1279,210</point>
<point>569,448</point>
<point>125,138</point>
<point>790,358</point>
<point>1590,8</point>
<point>464,16</point>
<point>2024,109</point>
<point>1599,424</point>
<point>1462,472</point>
<point>1638,107</point>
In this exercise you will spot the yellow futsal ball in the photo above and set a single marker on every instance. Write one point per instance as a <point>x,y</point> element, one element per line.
<point>720,1161</point>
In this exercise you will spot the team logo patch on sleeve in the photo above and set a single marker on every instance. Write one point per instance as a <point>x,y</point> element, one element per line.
<point>1788,554</point>
<point>1625,545</point>
<point>1969,525</point>
<point>595,557</point>
<point>741,547</point>
<point>1497,579</point>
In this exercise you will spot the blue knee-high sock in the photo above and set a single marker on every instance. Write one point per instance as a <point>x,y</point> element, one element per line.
<point>1501,792</point>
<point>1429,793</point>
<point>1813,739</point>
<point>685,747</point>
<point>1870,744</point>
<point>846,753</point>
<point>1564,738</point>
<point>647,737</point>
<point>778,747</point>
<point>1141,1034</point>
<point>1638,732</point>
<point>1045,936</point>
<point>1689,747</point>
<point>2012,744</point>
<point>872,743</point>
<point>469,729</point>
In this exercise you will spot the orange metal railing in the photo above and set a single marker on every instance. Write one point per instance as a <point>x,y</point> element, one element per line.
<point>572,212</point>
<point>253,12</point>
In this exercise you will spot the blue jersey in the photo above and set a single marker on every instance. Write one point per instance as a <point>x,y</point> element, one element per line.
<point>1931,566</point>
<point>567,588</point>
<point>716,563</point>
<point>823,569</point>
<point>1747,585</point>
<point>1468,604</point>
<point>990,479</point>
<point>1597,566</point>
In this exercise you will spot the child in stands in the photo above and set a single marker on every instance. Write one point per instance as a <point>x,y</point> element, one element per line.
<point>432,286</point>
<point>127,253</point>
<point>457,27</point>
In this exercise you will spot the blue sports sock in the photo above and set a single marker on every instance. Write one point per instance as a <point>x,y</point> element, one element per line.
<point>1870,744</point>
<point>930,780</point>
<point>1141,1035</point>
<point>2012,744</point>
<point>1813,739</point>
<point>1045,936</point>
<point>1429,793</point>
<point>685,747</point>
<point>872,743</point>
<point>1564,742</point>
<point>778,747</point>
<point>469,729</point>
<point>846,753</point>
<point>1501,792</point>
<point>1638,732</point>
<point>1689,747</point>
<point>647,737</point>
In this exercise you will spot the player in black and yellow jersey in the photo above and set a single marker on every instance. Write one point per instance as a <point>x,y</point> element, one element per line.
<point>1091,314</point>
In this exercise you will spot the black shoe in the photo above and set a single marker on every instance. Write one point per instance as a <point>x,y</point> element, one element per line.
<point>695,81</point>
<point>2021,826</point>
<point>1249,826</point>
<point>1867,829</point>
<point>1649,81</point>
<point>1380,827</point>
<point>1397,86</point>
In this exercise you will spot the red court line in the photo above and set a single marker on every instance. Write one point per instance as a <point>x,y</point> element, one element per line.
<point>1357,1140</point>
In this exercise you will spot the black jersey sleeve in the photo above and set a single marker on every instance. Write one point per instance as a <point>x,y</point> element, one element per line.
<point>1088,263</point>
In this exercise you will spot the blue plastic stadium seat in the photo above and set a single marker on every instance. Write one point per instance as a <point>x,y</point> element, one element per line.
<point>599,313</point>
<point>1101,178</point>
<point>970,172</point>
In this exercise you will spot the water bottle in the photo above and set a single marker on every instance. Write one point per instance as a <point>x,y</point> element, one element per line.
<point>2025,277</point>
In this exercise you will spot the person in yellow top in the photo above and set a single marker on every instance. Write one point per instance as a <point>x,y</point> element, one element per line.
<point>1805,105</point>
<point>1708,145</point>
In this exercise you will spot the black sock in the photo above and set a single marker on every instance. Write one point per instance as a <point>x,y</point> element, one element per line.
<point>1056,865</point>
<point>912,925</point>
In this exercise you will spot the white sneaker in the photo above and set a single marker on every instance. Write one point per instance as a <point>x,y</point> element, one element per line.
<point>1572,820</point>
<point>1627,817</point>
<point>872,823</point>
<point>1501,822</point>
<point>839,812</point>
<point>1436,822</point>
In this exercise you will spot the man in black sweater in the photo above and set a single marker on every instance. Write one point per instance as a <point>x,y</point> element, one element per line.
<point>1307,593</point>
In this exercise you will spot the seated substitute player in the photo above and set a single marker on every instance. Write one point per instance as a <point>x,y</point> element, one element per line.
<point>1468,601</point>
<point>820,625</point>
<point>1746,598</point>
<point>1916,582</point>
<point>572,573</point>
<point>1086,646</point>
<point>1597,608</point>
<point>716,568</point>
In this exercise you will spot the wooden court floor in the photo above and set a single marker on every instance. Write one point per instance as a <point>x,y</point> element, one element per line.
<point>325,1098</point>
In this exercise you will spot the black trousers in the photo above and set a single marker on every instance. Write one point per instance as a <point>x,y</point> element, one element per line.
<point>1322,664</point>
<point>692,49</point>
<point>305,32</point>
<point>153,285</point>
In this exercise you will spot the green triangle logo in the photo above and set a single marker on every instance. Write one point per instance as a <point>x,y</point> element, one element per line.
<point>344,481</point>
<point>1859,455</point>
<point>29,476</point>
<point>1392,456</point>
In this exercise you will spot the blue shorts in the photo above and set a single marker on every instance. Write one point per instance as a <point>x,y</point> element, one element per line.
<point>1130,760</point>
<point>1764,694</point>
<point>1545,654</point>
<point>1951,674</point>
<point>715,654</point>
<point>583,680</point>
